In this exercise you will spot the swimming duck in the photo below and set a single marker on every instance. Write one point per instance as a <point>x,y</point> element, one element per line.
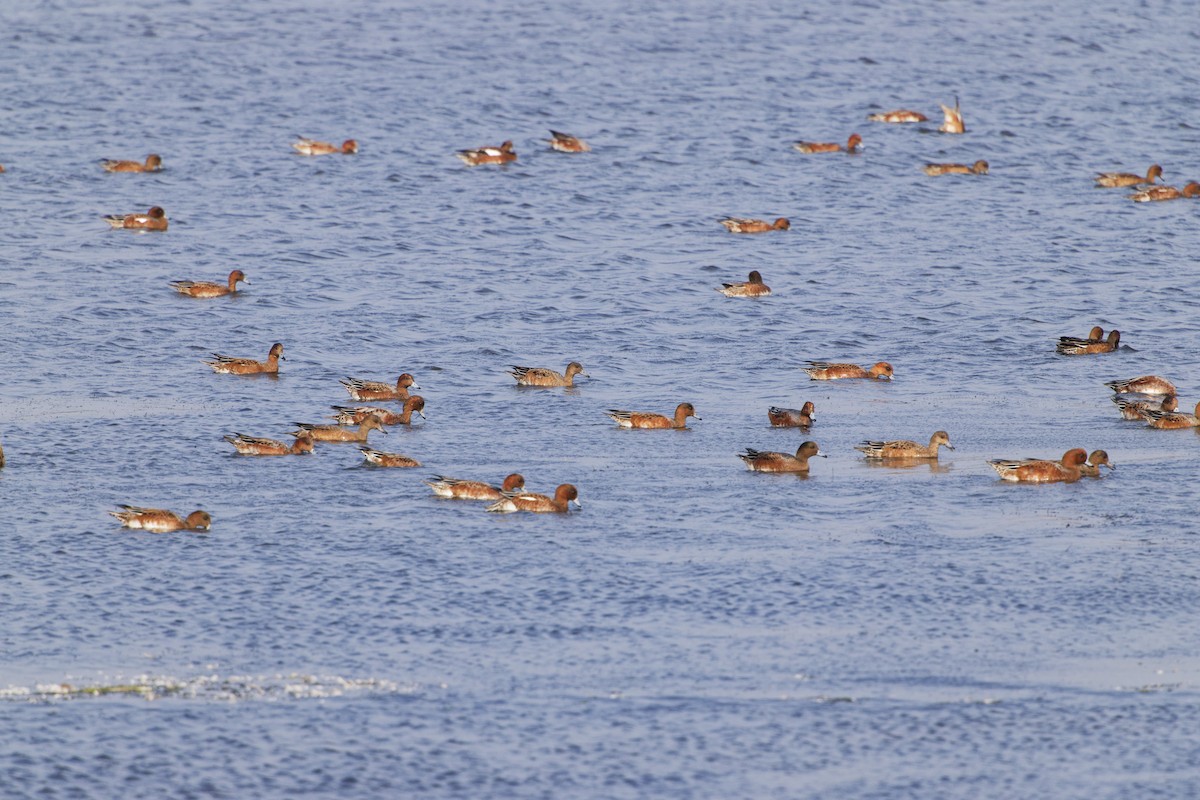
<point>564,495</point>
<point>753,287</point>
<point>743,225</point>
<point>152,164</point>
<point>904,449</point>
<point>853,144</point>
<point>248,366</point>
<point>153,220</point>
<point>540,376</point>
<point>566,143</point>
<point>488,155</point>
<point>209,289</point>
<point>157,520</point>
<point>311,147</point>
<point>1035,470</point>
<point>826,371</point>
<point>767,461</point>
<point>1112,180</point>
<point>641,419</point>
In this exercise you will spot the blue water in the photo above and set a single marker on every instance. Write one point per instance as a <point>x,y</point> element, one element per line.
<point>696,630</point>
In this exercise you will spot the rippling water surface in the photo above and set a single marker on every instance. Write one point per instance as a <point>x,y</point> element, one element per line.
<point>696,630</point>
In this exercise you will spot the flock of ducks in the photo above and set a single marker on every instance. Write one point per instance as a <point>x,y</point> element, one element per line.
<point>1148,398</point>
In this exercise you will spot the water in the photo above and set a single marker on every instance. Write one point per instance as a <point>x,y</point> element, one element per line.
<point>697,630</point>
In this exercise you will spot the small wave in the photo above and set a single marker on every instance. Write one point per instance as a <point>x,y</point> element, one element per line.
<point>232,688</point>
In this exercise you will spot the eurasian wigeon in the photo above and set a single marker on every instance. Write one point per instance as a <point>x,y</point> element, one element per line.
<point>374,390</point>
<point>566,143</point>
<point>1113,180</point>
<point>1096,460</point>
<point>475,490</point>
<point>355,415</point>
<point>564,495</point>
<point>488,155</point>
<point>765,461</point>
<point>1096,334</point>
<point>641,419</point>
<point>153,220</point>
<point>229,365</point>
<point>153,164</point>
<point>791,417</point>
<point>852,145</point>
<point>753,287</point>
<point>904,449</point>
<point>978,168</point>
<point>826,371</point>
<point>1145,384</point>
<point>382,459</point>
<point>1035,470</point>
<point>340,433</point>
<point>1136,409</point>
<point>1172,420</point>
<point>952,121</point>
<point>157,520</point>
<point>900,115</point>
<point>311,147</point>
<point>255,446</point>
<point>1070,346</point>
<point>743,225</point>
<point>540,376</point>
<point>208,288</point>
<point>1156,193</point>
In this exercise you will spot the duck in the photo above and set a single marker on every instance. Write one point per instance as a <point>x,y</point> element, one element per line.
<point>744,225</point>
<point>488,155</point>
<point>157,520</point>
<point>952,121</point>
<point>311,147</point>
<point>153,163</point>
<point>1069,346</point>
<point>208,288</point>
<point>475,490</point>
<point>564,495</point>
<point>340,433</point>
<point>1096,460</point>
<point>1144,384</point>
<point>826,371</point>
<point>1156,193</point>
<point>540,376</point>
<point>153,220</point>
<point>1136,409</point>
<point>753,287</point>
<point>904,449</point>
<point>348,415</point>
<point>374,390</point>
<point>641,419</point>
<point>766,461</point>
<point>1034,470</point>
<point>255,446</point>
<point>382,459</point>
<point>1173,420</point>
<point>791,417</point>
<point>566,143</point>
<point>1096,334</point>
<point>853,145</point>
<point>900,115</point>
<point>248,366</point>
<point>1113,180</point>
<point>978,168</point>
